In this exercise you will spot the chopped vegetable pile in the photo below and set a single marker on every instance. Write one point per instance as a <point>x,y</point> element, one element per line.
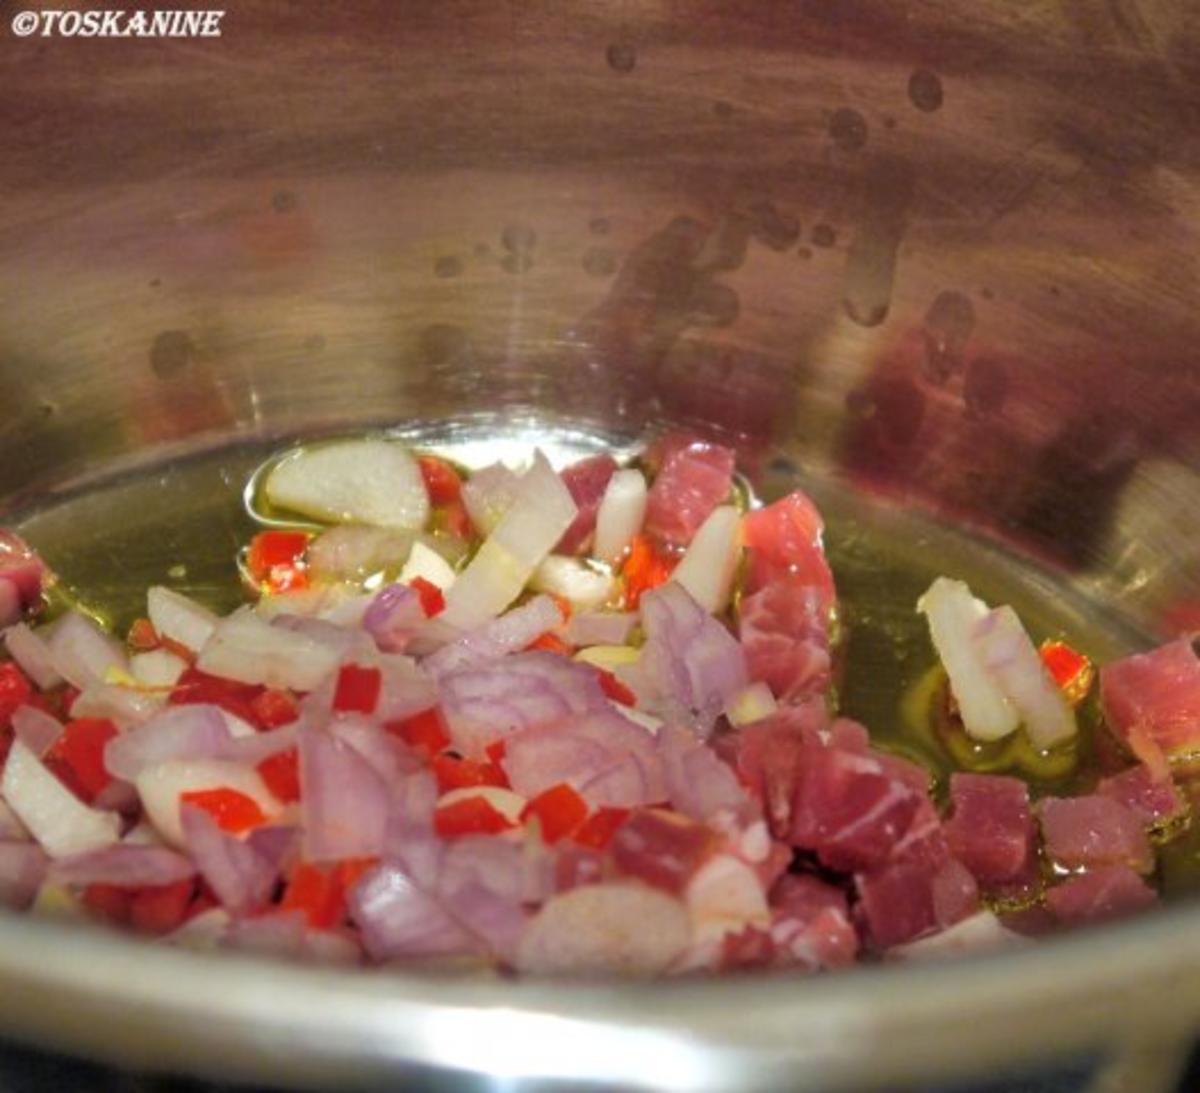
<point>557,722</point>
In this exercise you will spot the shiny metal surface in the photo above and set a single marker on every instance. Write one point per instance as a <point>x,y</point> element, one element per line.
<point>942,254</point>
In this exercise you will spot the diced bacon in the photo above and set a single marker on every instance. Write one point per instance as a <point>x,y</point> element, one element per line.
<point>810,925</point>
<point>660,848</point>
<point>586,482</point>
<point>784,539</point>
<point>750,947</point>
<point>784,630</point>
<point>1086,832</point>
<point>1152,700</point>
<point>848,810</point>
<point>991,827</point>
<point>1154,800</point>
<point>925,838</point>
<point>692,482</point>
<point>1109,892</point>
<point>907,900</point>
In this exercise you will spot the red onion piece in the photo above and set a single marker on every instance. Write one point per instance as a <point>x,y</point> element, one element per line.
<point>698,783</point>
<point>180,732</point>
<point>83,654</point>
<point>31,653</point>
<point>11,828</point>
<point>691,666</point>
<point>538,758</point>
<point>124,706</point>
<point>601,627</point>
<point>509,633</point>
<point>387,755</point>
<point>396,918</point>
<point>344,802</point>
<point>21,568</point>
<point>483,704</point>
<point>11,608</point>
<point>394,617</point>
<point>622,785</point>
<point>36,728</point>
<point>275,843</point>
<point>127,865</point>
<point>406,689</point>
<point>22,870</point>
<point>238,874</point>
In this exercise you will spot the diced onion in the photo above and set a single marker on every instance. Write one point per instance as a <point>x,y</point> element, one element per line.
<point>429,565</point>
<point>752,704</point>
<point>60,822</point>
<point>529,530</point>
<point>488,494</point>
<point>707,568</point>
<point>504,801</point>
<point>160,786</point>
<point>725,896</point>
<point>33,655</point>
<point>157,668</point>
<point>1010,656</point>
<point>608,657</point>
<point>953,613</point>
<point>620,515</point>
<point>176,617</point>
<point>83,653</point>
<point>573,579</point>
<point>369,481</point>
<point>246,648</point>
<point>601,627</point>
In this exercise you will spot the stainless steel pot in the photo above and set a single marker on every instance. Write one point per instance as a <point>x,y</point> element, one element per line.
<point>941,255</point>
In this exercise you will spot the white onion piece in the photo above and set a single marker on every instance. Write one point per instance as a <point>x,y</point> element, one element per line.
<point>368,481</point>
<point>181,619</point>
<point>203,932</point>
<point>953,613</point>
<point>1009,654</point>
<point>530,529</point>
<point>509,633</point>
<point>620,515</point>
<point>488,494</point>
<point>750,705</point>
<point>429,565</point>
<point>160,786</point>
<point>57,819</point>
<point>605,929</point>
<point>32,655</point>
<point>601,627</point>
<point>11,828</point>
<point>609,657</point>
<point>157,668</point>
<point>36,728</point>
<point>124,706</point>
<point>724,896</point>
<point>248,649</point>
<point>573,579</point>
<point>978,933</point>
<point>83,653</point>
<point>707,569</point>
<point>354,552</point>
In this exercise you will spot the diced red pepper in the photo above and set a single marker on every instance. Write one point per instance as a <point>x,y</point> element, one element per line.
<point>315,891</point>
<point>646,567</point>
<point>170,645</point>
<point>108,900</point>
<point>273,709</point>
<point>469,816</point>
<point>432,600</point>
<point>616,690</point>
<point>559,810</point>
<point>424,731</point>
<point>599,828</point>
<point>358,689</point>
<point>161,909</point>
<point>233,810</point>
<point>269,549</point>
<point>203,901</point>
<point>350,871</point>
<point>66,699</point>
<point>564,607</point>
<point>281,772</point>
<point>441,480</point>
<point>455,773</point>
<point>196,687</point>
<point>80,749</point>
<point>1072,671</point>
<point>496,750</point>
<point>142,636</point>
<point>551,643</point>
<point>15,691</point>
